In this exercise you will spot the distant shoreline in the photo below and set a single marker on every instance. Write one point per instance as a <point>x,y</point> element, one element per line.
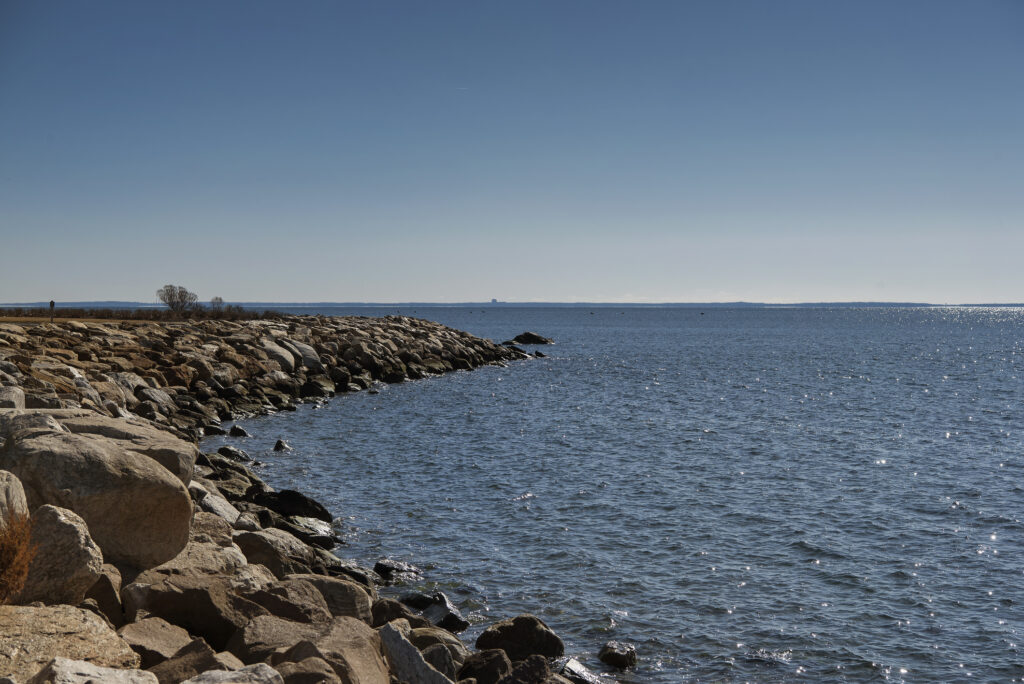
<point>499,305</point>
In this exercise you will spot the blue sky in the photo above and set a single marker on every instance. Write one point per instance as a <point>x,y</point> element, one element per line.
<point>528,151</point>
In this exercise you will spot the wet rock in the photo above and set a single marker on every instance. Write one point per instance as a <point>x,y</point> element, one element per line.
<point>288,502</point>
<point>67,561</point>
<point>486,667</point>
<point>282,445</point>
<point>439,610</point>
<point>533,670</point>
<point>520,637</point>
<point>211,430</point>
<point>407,663</point>
<point>66,671</point>
<point>392,571</point>
<point>30,637</point>
<point>234,453</point>
<point>238,431</point>
<point>618,654</point>
<point>531,338</point>
<point>385,610</point>
<point>576,672</point>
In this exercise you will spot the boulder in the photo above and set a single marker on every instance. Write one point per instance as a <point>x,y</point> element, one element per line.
<point>353,649</point>
<point>234,453</point>
<point>618,654</point>
<point>439,610</point>
<point>281,445</point>
<point>67,561</point>
<point>306,355</point>
<point>531,338</point>
<point>106,592</point>
<point>343,598</point>
<point>177,455</point>
<point>191,660</point>
<point>425,638</point>
<point>261,673</point>
<point>486,667</point>
<point>136,510</point>
<point>154,639</point>
<point>262,636</point>
<point>385,610</point>
<point>533,670</point>
<point>291,503</point>
<point>440,658</point>
<point>30,637</point>
<point>279,551</point>
<point>392,571</point>
<point>311,670</point>
<point>576,672</point>
<point>204,605</point>
<point>12,397</point>
<point>520,637</point>
<point>238,431</point>
<point>406,661</point>
<point>12,497</point>
<point>66,671</point>
<point>292,599</point>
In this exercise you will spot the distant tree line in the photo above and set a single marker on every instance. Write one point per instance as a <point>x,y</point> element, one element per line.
<point>180,303</point>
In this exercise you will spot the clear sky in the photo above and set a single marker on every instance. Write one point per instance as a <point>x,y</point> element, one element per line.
<point>530,151</point>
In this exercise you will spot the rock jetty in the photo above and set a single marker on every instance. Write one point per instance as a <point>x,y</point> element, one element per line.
<point>145,560</point>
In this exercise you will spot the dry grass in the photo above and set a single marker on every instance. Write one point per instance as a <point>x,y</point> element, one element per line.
<point>16,554</point>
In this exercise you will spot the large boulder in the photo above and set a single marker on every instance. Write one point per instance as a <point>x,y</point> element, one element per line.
<point>12,397</point>
<point>192,659</point>
<point>424,638</point>
<point>67,561</point>
<point>290,502</point>
<point>486,667</point>
<point>264,635</point>
<point>177,455</point>
<point>313,670</point>
<point>30,637</point>
<point>66,671</point>
<point>520,637</point>
<point>206,606</point>
<point>292,599</point>
<point>354,651</point>
<point>137,511</point>
<point>343,598</point>
<point>12,497</point>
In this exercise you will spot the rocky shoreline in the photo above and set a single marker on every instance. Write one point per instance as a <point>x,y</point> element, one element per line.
<point>154,562</point>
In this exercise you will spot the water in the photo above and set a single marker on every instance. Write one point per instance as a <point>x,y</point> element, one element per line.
<point>744,494</point>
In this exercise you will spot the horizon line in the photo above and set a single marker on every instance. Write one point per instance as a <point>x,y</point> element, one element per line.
<point>495,303</point>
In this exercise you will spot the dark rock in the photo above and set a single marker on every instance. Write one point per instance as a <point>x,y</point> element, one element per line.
<point>154,639</point>
<point>290,502</point>
<point>385,610</point>
<point>392,571</point>
<point>238,431</point>
<point>539,355</point>
<point>425,637</point>
<point>282,445</point>
<point>486,667</point>
<point>521,637</point>
<point>531,338</point>
<point>234,453</point>
<point>214,430</point>
<point>439,610</point>
<point>618,654</point>
<point>533,670</point>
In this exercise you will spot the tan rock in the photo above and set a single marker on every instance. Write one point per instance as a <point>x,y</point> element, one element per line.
<point>154,639</point>
<point>343,598</point>
<point>12,497</point>
<point>67,561</point>
<point>65,671</point>
<point>30,637</point>
<point>137,511</point>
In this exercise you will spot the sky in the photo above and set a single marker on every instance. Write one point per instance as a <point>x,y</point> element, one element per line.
<point>550,150</point>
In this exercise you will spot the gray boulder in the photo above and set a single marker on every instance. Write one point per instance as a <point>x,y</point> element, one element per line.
<point>618,654</point>
<point>520,637</point>
<point>261,673</point>
<point>12,397</point>
<point>12,497</point>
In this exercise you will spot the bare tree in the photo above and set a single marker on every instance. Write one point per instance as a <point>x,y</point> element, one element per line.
<point>216,303</point>
<point>177,298</point>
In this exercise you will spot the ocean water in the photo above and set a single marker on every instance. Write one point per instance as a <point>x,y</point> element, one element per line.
<point>817,494</point>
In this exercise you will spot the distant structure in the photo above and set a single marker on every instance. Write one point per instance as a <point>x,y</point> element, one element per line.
<point>494,301</point>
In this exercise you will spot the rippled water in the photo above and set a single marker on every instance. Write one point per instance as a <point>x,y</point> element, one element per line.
<point>745,494</point>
